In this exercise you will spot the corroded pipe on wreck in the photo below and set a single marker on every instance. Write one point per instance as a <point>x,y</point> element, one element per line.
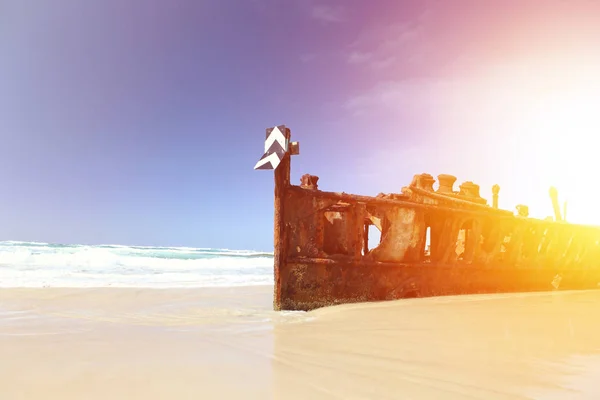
<point>554,197</point>
<point>522,210</point>
<point>446,183</point>
<point>308,181</point>
<point>423,181</point>
<point>470,189</point>
<point>495,191</point>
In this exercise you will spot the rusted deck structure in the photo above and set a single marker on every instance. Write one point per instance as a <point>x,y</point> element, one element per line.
<point>322,255</point>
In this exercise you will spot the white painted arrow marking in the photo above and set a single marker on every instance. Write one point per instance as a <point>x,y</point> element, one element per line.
<point>272,158</point>
<point>276,135</point>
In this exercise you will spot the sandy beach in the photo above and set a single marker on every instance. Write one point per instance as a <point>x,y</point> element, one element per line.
<point>227,343</point>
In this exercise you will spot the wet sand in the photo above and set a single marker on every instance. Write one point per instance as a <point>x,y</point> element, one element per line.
<point>227,343</point>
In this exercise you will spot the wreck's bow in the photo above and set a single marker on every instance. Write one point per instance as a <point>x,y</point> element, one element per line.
<point>432,242</point>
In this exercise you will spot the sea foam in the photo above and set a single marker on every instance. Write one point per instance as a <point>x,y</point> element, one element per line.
<point>28,264</point>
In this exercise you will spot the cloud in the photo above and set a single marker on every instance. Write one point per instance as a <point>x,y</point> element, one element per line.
<point>379,46</point>
<point>358,57</point>
<point>492,87</point>
<point>468,81</point>
<point>307,57</point>
<point>328,14</point>
<point>395,95</point>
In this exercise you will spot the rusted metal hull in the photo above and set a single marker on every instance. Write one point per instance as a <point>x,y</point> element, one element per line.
<point>306,285</point>
<point>433,243</point>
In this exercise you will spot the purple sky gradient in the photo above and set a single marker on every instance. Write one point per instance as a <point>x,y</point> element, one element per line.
<point>139,121</point>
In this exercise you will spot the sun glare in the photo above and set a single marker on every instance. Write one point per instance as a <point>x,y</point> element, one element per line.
<point>562,130</point>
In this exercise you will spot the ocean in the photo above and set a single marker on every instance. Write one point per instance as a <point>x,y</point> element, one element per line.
<point>29,264</point>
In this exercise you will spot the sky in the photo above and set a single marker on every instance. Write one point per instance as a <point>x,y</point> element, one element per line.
<point>138,122</point>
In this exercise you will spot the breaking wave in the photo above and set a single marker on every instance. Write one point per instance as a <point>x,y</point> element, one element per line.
<point>29,264</point>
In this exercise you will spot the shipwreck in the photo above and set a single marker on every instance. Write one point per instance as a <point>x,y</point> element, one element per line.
<point>432,242</point>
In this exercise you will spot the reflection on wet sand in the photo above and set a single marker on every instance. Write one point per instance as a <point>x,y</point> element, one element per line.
<point>227,343</point>
<point>487,347</point>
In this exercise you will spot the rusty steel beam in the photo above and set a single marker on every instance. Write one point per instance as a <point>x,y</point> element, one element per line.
<point>495,192</point>
<point>555,206</point>
<point>280,233</point>
<point>297,190</point>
